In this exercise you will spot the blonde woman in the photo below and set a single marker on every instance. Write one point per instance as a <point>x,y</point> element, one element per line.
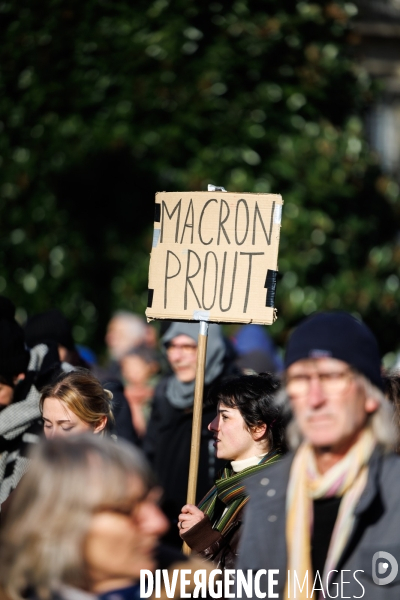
<point>83,517</point>
<point>76,403</point>
<point>84,522</point>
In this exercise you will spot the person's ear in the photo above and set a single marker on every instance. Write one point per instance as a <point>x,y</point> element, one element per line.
<point>258,431</point>
<point>371,405</point>
<point>101,425</point>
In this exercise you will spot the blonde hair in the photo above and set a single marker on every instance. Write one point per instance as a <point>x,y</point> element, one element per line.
<point>83,394</point>
<point>381,421</point>
<point>42,539</point>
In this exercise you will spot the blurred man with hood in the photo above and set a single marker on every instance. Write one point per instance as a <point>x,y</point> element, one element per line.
<point>168,437</point>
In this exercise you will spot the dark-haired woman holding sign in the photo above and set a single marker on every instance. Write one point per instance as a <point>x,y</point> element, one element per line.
<point>249,432</point>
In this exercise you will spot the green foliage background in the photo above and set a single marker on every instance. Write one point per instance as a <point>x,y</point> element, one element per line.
<point>103,103</point>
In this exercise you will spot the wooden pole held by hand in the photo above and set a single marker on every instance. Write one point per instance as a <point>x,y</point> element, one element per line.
<point>197,418</point>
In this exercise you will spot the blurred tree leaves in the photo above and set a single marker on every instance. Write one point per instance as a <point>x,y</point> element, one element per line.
<point>103,103</point>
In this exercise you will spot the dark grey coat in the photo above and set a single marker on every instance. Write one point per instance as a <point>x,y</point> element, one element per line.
<point>377,528</point>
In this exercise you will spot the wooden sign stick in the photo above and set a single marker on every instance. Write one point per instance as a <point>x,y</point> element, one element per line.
<point>197,418</point>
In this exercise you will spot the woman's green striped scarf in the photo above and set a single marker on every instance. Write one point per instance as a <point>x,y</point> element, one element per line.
<point>231,491</point>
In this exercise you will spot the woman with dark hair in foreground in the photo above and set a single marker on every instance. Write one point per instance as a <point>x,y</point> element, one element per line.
<point>249,432</point>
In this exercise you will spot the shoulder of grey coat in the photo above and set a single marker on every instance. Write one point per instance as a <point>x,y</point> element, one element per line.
<point>376,529</point>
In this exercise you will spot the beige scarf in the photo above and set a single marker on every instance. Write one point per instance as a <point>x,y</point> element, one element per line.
<point>346,479</point>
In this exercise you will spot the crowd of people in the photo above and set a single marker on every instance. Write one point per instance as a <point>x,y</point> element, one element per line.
<point>297,473</point>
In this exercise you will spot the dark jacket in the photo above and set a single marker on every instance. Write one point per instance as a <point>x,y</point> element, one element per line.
<point>122,427</point>
<point>376,529</point>
<point>209,543</point>
<point>21,424</point>
<point>167,446</point>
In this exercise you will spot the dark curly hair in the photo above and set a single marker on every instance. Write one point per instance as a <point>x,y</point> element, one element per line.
<point>254,397</point>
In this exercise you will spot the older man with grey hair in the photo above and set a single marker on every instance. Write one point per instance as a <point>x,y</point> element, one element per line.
<point>125,331</point>
<point>327,517</point>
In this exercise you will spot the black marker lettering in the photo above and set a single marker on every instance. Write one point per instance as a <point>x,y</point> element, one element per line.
<point>236,222</point>
<point>222,221</point>
<point>221,292</point>
<point>204,280</point>
<point>178,206</point>
<point>250,255</point>
<point>190,224</point>
<point>169,276</point>
<point>201,219</point>
<point>257,212</point>
<point>188,277</point>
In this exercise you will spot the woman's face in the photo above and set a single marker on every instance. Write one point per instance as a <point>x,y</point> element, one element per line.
<point>122,542</point>
<point>59,420</point>
<point>232,438</point>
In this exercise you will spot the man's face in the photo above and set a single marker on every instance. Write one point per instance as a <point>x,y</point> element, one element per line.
<point>329,402</point>
<point>137,374</point>
<point>120,338</point>
<point>182,356</point>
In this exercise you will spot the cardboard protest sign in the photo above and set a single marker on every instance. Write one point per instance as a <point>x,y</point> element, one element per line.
<point>214,257</point>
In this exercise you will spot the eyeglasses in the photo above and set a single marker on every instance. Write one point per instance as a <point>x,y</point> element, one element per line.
<point>132,509</point>
<point>188,349</point>
<point>332,382</point>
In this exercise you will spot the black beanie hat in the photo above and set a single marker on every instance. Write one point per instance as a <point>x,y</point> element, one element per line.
<point>337,335</point>
<point>14,357</point>
<point>49,326</point>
